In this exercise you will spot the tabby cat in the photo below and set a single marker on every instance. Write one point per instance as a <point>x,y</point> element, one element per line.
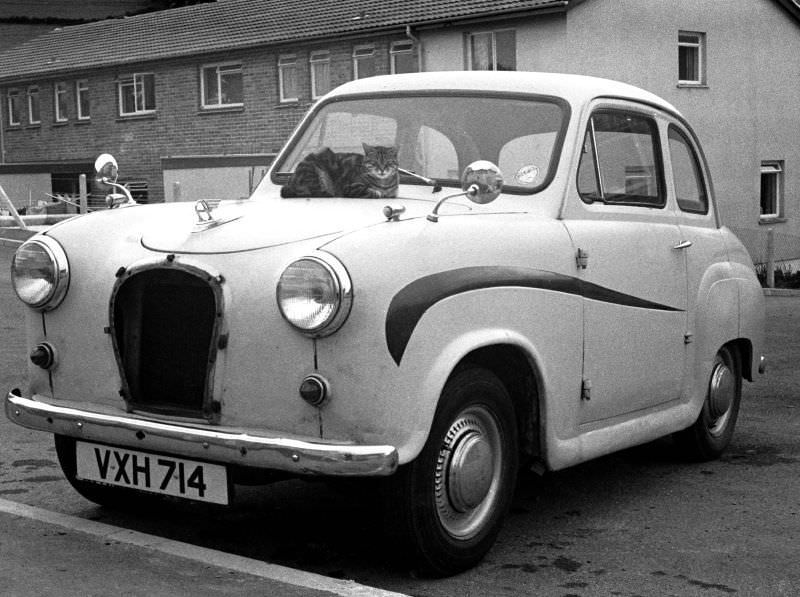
<point>329,174</point>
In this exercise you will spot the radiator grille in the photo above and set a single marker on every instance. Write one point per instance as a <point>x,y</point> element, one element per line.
<point>164,326</point>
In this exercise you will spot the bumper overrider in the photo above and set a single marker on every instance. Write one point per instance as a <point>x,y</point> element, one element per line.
<point>242,448</point>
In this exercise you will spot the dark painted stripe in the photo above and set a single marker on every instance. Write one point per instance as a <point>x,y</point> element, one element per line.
<point>409,305</point>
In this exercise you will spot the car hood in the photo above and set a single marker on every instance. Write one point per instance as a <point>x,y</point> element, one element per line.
<point>248,225</point>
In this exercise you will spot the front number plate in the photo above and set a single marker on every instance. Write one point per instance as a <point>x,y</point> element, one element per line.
<point>155,473</point>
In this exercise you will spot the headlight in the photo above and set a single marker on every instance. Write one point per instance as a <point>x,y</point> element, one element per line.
<point>315,295</point>
<point>40,273</point>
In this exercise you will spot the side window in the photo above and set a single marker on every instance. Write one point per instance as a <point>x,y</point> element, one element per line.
<point>690,189</point>
<point>621,160</point>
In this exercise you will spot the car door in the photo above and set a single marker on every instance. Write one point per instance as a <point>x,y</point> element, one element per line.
<point>631,266</point>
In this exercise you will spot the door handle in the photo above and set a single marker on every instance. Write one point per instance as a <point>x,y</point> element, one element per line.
<point>684,244</point>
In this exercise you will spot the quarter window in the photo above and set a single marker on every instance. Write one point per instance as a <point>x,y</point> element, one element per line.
<point>14,107</point>
<point>402,57</point>
<point>137,94</point>
<point>364,62</point>
<point>493,50</point>
<point>82,99</point>
<point>691,58</point>
<point>34,110</point>
<point>287,77</point>
<point>621,160</point>
<point>60,101</point>
<point>687,177</point>
<point>222,86</point>
<point>771,190</point>
<point>320,62</point>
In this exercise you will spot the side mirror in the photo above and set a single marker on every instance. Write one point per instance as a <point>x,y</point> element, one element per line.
<point>105,174</point>
<point>481,182</point>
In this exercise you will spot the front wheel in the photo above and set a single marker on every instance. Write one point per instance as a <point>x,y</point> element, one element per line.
<point>711,433</point>
<point>449,503</point>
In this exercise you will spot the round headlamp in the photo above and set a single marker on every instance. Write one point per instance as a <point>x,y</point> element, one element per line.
<point>315,294</point>
<point>40,273</point>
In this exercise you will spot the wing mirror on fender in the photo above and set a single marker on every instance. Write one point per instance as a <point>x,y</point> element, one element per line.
<point>106,170</point>
<point>481,182</point>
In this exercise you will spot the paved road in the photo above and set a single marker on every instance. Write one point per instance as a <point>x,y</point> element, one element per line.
<point>638,523</point>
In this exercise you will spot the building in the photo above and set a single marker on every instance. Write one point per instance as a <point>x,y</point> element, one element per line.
<point>194,102</point>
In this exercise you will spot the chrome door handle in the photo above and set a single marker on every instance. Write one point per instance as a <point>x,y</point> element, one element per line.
<point>684,244</point>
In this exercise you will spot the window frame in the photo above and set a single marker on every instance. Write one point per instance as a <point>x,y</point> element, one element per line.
<point>34,105</point>
<point>220,69</point>
<point>658,159</point>
<point>14,103</point>
<point>317,58</point>
<point>699,64</point>
<point>134,80</point>
<point>81,92</point>
<point>362,52</point>
<point>700,174</point>
<point>470,38</point>
<point>777,169</point>
<point>288,62</point>
<point>402,47</point>
<point>60,94</point>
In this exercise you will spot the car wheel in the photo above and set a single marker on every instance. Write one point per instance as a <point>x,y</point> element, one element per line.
<point>711,433</point>
<point>449,503</point>
<point>112,497</point>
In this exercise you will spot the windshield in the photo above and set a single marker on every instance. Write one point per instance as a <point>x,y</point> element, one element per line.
<point>437,136</point>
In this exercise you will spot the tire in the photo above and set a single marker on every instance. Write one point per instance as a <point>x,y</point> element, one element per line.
<point>448,505</point>
<point>711,433</point>
<point>103,495</point>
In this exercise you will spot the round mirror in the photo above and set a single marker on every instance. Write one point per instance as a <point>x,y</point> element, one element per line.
<point>482,181</point>
<point>105,168</point>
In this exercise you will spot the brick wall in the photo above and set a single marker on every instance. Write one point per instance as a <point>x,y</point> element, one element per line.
<point>179,127</point>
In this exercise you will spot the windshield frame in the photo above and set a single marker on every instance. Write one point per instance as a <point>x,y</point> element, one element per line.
<point>281,178</point>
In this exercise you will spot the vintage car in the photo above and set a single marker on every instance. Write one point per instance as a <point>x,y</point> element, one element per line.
<point>550,282</point>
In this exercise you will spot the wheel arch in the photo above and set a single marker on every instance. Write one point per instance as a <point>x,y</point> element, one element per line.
<point>520,375</point>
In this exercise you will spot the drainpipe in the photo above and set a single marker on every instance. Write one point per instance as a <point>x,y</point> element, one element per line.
<point>418,44</point>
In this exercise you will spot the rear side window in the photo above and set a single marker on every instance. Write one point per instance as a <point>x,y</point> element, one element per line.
<point>690,189</point>
<point>621,160</point>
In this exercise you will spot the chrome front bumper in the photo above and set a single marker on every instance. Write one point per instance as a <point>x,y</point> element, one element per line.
<point>202,442</point>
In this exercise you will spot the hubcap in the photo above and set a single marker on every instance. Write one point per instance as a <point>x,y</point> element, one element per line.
<point>721,393</point>
<point>468,472</point>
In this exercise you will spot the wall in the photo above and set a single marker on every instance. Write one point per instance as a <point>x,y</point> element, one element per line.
<point>26,189</point>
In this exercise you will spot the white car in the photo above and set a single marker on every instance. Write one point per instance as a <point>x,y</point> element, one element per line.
<point>550,282</point>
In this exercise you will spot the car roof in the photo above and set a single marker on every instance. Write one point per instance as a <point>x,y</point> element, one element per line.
<point>576,89</point>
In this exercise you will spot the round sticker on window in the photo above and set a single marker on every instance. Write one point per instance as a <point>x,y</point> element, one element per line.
<point>527,174</point>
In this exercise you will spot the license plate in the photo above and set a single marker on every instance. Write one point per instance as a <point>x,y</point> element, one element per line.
<point>155,473</point>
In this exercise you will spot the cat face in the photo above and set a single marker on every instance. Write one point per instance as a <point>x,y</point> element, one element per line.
<point>380,162</point>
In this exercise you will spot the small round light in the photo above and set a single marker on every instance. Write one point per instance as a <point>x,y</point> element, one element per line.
<point>314,295</point>
<point>314,389</point>
<point>40,273</point>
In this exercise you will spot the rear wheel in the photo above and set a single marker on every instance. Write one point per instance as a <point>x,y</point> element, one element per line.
<point>711,433</point>
<point>449,503</point>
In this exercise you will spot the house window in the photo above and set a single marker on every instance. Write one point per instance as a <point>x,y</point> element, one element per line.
<point>60,101</point>
<point>402,57</point>
<point>82,99</point>
<point>14,107</point>
<point>222,86</point>
<point>137,94</point>
<point>34,110</point>
<point>364,62</point>
<point>771,190</point>
<point>691,58</point>
<point>493,50</point>
<point>287,77</point>
<point>320,62</point>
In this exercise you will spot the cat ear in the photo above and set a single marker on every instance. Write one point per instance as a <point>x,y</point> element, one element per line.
<point>367,148</point>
